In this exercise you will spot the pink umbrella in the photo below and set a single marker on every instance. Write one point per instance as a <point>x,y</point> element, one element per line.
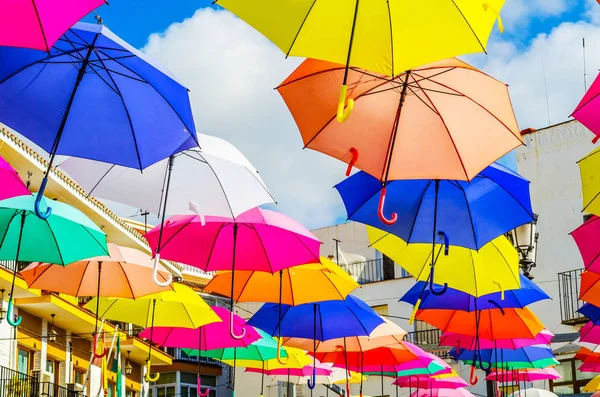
<point>586,111</point>
<point>590,333</point>
<point>586,237</point>
<point>38,24</point>
<point>468,342</point>
<point>460,392</point>
<point>530,375</point>
<point>259,240</point>
<point>431,382</point>
<point>11,183</point>
<point>322,370</point>
<point>589,367</point>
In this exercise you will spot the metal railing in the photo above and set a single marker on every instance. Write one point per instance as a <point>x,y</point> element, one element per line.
<point>367,272</point>
<point>17,384</point>
<point>428,340</point>
<point>568,297</point>
<point>178,354</point>
<point>12,265</point>
<point>47,389</point>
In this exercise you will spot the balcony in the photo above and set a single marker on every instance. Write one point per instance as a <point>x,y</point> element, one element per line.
<point>568,297</point>
<point>16,384</point>
<point>371,271</point>
<point>178,354</point>
<point>428,340</point>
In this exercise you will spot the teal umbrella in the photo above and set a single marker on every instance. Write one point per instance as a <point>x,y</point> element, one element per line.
<point>66,237</point>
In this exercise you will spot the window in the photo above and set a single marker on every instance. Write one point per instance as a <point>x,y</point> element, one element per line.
<point>129,393</point>
<point>382,310</point>
<point>111,392</point>
<point>78,376</point>
<point>572,380</point>
<point>50,365</point>
<point>23,361</point>
<point>388,268</point>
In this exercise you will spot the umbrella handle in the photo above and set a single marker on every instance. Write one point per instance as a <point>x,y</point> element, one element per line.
<point>343,111</point>
<point>279,348</point>
<point>96,354</point>
<point>353,160</point>
<point>414,312</point>
<point>382,217</point>
<point>10,316</point>
<point>493,302</point>
<point>473,379</point>
<point>348,388</point>
<point>232,331</point>
<point>147,377</point>
<point>595,139</point>
<point>201,393</point>
<point>38,201</point>
<point>312,382</point>
<point>446,242</point>
<point>501,289</point>
<point>486,7</point>
<point>155,273</point>
<point>432,286</point>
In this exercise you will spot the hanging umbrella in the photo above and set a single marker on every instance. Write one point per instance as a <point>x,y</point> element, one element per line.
<point>469,342</point>
<point>256,240</point>
<point>588,169</point>
<point>354,378</point>
<point>586,110</point>
<point>496,357</point>
<point>590,333</point>
<point>11,183</point>
<point>141,114</point>
<point>590,311</point>
<point>491,269</point>
<point>454,299</point>
<point>425,123</point>
<point>38,24</point>
<point>459,392</point>
<point>589,290</point>
<point>518,365</point>
<point>445,381</point>
<point>533,393</point>
<point>527,375</point>
<point>298,285</point>
<point>294,375</point>
<point>410,368</point>
<point>181,307</point>
<point>585,237</point>
<point>592,386</point>
<point>67,237</point>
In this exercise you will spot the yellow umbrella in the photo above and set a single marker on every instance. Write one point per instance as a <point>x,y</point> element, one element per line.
<point>355,378</point>
<point>382,36</point>
<point>590,181</point>
<point>294,286</point>
<point>491,269</point>
<point>593,385</point>
<point>181,307</point>
<point>296,359</point>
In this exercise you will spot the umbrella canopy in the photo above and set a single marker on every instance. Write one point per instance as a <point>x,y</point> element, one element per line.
<point>457,300</point>
<point>591,312</point>
<point>491,269</point>
<point>395,355</point>
<point>296,359</point>
<point>294,375</point>
<point>354,378</point>
<point>38,24</point>
<point>423,124</point>
<point>588,169</point>
<point>11,183</point>
<point>533,393</point>
<point>208,337</point>
<point>297,285</point>
<point>498,356</point>
<point>125,273</point>
<point>593,385</point>
<point>585,237</point>
<point>459,392</point>
<point>319,321</point>
<point>141,114</point>
<point>528,375</point>
<point>467,212</point>
<point>492,323</point>
<point>181,307</point>
<point>517,365</point>
<point>415,367</point>
<point>264,241</point>
<point>589,290</point>
<point>444,381</point>
<point>217,177</point>
<point>378,37</point>
<point>586,110</point>
<point>590,333</point>
<point>470,342</point>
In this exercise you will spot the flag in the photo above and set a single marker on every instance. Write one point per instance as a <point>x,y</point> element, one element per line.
<point>117,368</point>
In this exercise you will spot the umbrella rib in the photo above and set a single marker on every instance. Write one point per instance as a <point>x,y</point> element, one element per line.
<point>474,273</point>
<point>100,180</point>
<point>96,72</point>
<point>210,253</point>
<point>422,100</point>
<point>129,283</point>
<point>81,279</point>
<point>96,240</point>
<point>39,276</point>
<point>253,227</point>
<point>590,202</point>
<point>233,215</point>
<point>513,197</point>
<point>391,36</point>
<point>62,260</point>
<point>469,25</point>
<point>243,287</point>
<point>287,54</point>
<point>137,150</point>
<point>8,227</point>
<point>447,130</point>
<point>39,20</point>
<point>261,183</point>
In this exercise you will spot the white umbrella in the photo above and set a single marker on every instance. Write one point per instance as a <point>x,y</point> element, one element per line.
<point>533,393</point>
<point>215,179</point>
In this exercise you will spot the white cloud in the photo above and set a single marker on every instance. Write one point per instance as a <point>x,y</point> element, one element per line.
<point>231,71</point>
<point>517,14</point>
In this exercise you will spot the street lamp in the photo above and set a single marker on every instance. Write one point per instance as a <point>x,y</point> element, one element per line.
<point>128,367</point>
<point>524,238</point>
<point>52,334</point>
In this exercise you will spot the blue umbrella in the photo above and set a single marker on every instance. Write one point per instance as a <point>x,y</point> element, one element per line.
<point>466,214</point>
<point>591,312</point>
<point>94,96</point>
<point>458,300</point>
<point>527,354</point>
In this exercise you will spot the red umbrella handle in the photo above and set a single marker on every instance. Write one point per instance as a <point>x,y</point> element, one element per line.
<point>382,217</point>
<point>473,379</point>
<point>596,139</point>
<point>96,354</point>
<point>353,160</point>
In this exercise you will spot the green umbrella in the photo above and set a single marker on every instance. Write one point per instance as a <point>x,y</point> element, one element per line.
<point>543,363</point>
<point>65,237</point>
<point>431,369</point>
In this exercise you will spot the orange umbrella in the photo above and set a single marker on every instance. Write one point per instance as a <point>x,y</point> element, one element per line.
<point>590,288</point>
<point>490,324</point>
<point>126,273</point>
<point>445,120</point>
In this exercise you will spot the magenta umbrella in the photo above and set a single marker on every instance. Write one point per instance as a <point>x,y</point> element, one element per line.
<point>209,337</point>
<point>430,382</point>
<point>460,392</point>
<point>586,237</point>
<point>11,183</point>
<point>587,110</point>
<point>590,333</point>
<point>257,240</point>
<point>468,342</point>
<point>530,375</point>
<point>38,24</point>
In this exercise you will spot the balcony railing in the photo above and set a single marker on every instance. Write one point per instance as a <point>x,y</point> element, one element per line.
<point>17,384</point>
<point>370,271</point>
<point>428,340</point>
<point>178,354</point>
<point>568,297</point>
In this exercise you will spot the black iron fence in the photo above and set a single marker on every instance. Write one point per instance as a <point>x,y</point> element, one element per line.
<point>12,265</point>
<point>17,384</point>
<point>47,389</point>
<point>568,296</point>
<point>370,271</point>
<point>179,354</point>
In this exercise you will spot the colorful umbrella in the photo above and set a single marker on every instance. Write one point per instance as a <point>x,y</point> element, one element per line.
<point>457,300</point>
<point>258,239</point>
<point>590,333</point>
<point>588,169</point>
<point>297,285</point>
<point>141,114</point>
<point>38,24</point>
<point>528,375</point>
<point>491,269</point>
<point>67,237</point>
<point>294,375</point>
<point>11,183</point>
<point>467,212</point>
<point>459,392</point>
<point>586,237</point>
<point>469,342</point>
<point>423,124</point>
<point>587,109</point>
<point>181,307</point>
<point>418,368</point>
<point>592,386</point>
<point>591,312</point>
<point>589,290</point>
<point>445,381</point>
<point>498,356</point>
<point>519,365</point>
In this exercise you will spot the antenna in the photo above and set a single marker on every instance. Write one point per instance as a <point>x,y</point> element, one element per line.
<point>584,68</point>
<point>546,89</point>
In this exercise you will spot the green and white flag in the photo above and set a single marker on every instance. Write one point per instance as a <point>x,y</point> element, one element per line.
<point>118,369</point>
